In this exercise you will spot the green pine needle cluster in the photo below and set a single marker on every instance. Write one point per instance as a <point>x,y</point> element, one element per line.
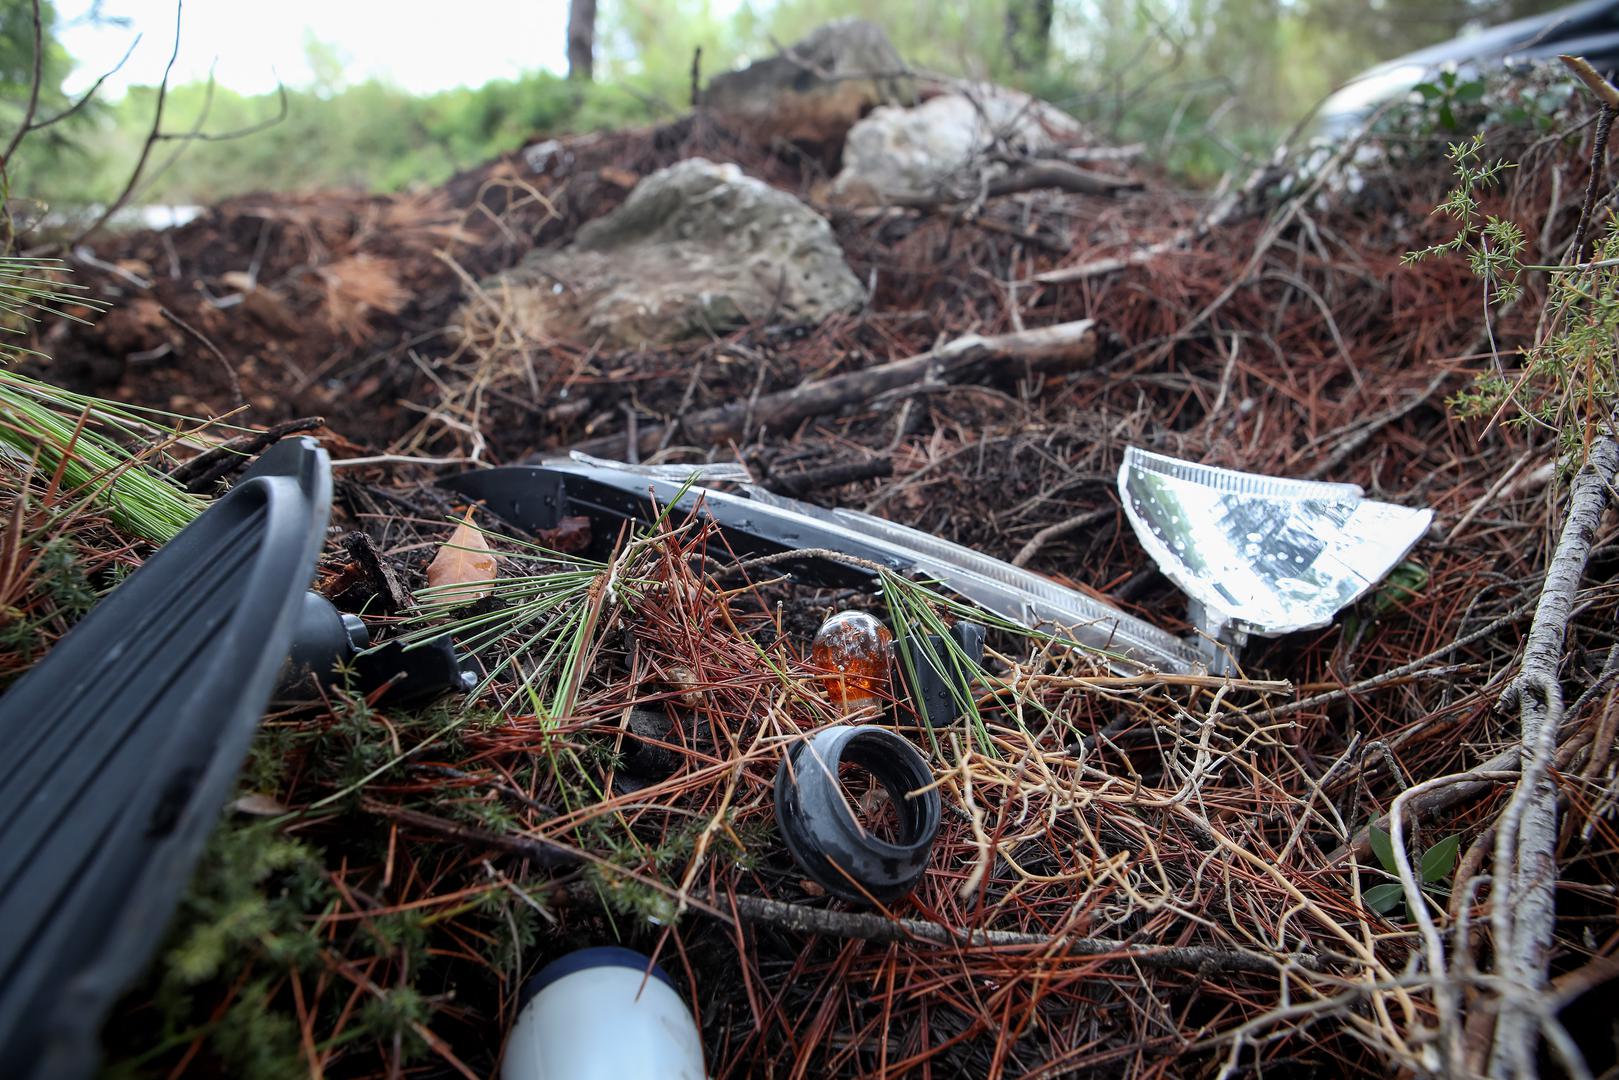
<point>74,440</point>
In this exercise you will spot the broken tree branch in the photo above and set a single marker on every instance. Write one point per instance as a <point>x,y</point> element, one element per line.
<point>1043,350</point>
<point>1524,875</point>
<point>139,168</point>
<point>865,926</point>
<point>1602,88</point>
<point>1064,177</point>
<point>199,474</point>
<point>33,91</point>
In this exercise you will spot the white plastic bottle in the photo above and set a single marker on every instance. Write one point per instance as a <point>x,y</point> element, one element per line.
<point>599,1014</point>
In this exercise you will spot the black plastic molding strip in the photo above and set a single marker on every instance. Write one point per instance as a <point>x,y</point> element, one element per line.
<point>124,744</point>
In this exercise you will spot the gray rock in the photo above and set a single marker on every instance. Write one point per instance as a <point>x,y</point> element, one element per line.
<point>814,90</point>
<point>945,147</point>
<point>696,247</point>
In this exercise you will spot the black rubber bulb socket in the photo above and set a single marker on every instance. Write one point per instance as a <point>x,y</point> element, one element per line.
<point>828,842</point>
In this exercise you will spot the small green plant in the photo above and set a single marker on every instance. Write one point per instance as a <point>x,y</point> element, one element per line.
<point>1567,379</point>
<point>1447,94</point>
<point>1491,244</point>
<point>1432,870</point>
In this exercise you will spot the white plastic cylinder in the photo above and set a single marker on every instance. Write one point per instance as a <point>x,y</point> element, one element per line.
<point>597,1014</point>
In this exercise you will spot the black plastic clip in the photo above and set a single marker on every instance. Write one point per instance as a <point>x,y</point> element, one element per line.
<point>941,677</point>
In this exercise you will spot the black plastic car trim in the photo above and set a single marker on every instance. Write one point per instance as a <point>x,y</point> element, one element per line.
<point>128,736</point>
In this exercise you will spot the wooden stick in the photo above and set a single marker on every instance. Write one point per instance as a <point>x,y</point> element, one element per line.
<point>1043,350</point>
<point>1062,176</point>
<point>1523,880</point>
<point>1602,88</point>
<point>867,926</point>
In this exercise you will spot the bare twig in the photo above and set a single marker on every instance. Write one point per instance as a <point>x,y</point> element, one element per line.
<point>1044,349</point>
<point>34,81</point>
<point>862,926</point>
<point>1061,528</point>
<point>1524,877</point>
<point>230,372</point>
<point>89,95</point>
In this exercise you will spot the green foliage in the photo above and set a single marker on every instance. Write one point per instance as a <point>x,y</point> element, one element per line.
<point>400,1012</point>
<point>1566,382</point>
<point>368,135</point>
<point>231,908</point>
<point>1403,584</point>
<point>1432,870</point>
<point>256,1041</point>
<point>60,582</point>
<point>251,898</point>
<point>540,615</point>
<point>1491,244</point>
<point>1151,71</point>
<point>1535,96</point>
<point>1447,95</point>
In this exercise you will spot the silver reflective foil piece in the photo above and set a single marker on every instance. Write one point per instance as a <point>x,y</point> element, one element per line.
<point>1261,554</point>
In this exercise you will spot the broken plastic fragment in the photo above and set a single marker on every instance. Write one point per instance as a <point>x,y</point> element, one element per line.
<point>1259,554</point>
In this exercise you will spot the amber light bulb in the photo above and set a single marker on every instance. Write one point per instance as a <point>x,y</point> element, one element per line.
<point>851,651</point>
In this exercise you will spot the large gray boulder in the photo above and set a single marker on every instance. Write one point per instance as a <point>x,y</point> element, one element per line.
<point>946,148</point>
<point>814,90</point>
<point>696,248</point>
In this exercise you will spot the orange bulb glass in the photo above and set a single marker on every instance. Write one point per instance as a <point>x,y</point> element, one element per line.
<point>851,651</point>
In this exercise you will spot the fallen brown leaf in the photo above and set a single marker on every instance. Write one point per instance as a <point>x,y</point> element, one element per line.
<point>259,805</point>
<point>465,559</point>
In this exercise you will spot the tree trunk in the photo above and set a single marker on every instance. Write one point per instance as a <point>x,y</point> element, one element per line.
<point>581,39</point>
<point>1028,31</point>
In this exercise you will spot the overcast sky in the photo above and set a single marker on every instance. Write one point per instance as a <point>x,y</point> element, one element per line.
<point>420,45</point>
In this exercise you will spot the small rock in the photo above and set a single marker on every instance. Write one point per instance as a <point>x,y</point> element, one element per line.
<point>645,756</point>
<point>945,147</point>
<point>696,248</point>
<point>815,90</point>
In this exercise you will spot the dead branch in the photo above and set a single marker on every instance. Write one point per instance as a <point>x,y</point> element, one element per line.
<point>89,95</point>
<point>155,134</point>
<point>151,139</point>
<point>390,593</point>
<point>1043,350</point>
<point>192,331</point>
<point>546,854</point>
<point>1063,176</point>
<point>1524,876</point>
<point>1602,88</point>
<point>862,926</point>
<point>795,485</point>
<point>1061,528</point>
<point>33,91</point>
<point>200,473</point>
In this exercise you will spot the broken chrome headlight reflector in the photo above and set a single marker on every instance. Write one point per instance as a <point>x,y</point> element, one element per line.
<point>1260,554</point>
<point>537,497</point>
<point>1126,642</point>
